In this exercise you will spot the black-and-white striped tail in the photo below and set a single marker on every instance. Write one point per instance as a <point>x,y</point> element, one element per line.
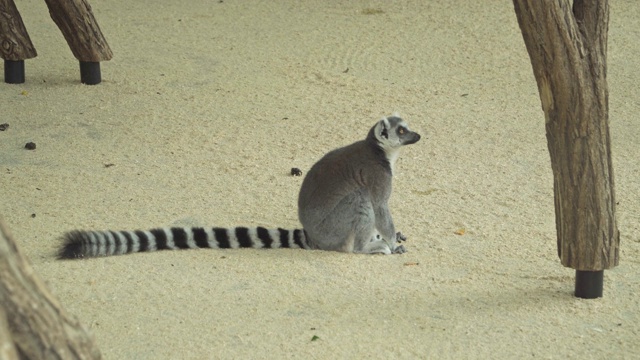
<point>78,244</point>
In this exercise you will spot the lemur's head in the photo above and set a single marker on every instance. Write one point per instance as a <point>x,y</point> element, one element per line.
<point>391,133</point>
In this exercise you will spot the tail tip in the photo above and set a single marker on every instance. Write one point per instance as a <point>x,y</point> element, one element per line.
<point>71,246</point>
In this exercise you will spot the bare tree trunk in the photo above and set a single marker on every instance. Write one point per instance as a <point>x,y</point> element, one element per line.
<point>80,28</point>
<point>39,328</point>
<point>7,349</point>
<point>568,51</point>
<point>15,43</point>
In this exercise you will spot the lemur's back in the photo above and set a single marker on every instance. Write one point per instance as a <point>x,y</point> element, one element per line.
<point>338,173</point>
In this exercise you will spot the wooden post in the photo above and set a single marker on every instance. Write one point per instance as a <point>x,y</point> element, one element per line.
<point>7,349</point>
<point>81,30</point>
<point>568,51</point>
<point>15,44</point>
<point>36,326</point>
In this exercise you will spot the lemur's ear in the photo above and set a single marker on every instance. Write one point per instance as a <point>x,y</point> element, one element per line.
<point>385,133</point>
<point>384,126</point>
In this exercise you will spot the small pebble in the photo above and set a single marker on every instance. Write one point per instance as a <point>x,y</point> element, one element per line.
<point>4,127</point>
<point>30,146</point>
<point>296,172</point>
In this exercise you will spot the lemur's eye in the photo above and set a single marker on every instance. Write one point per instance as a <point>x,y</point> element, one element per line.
<point>402,130</point>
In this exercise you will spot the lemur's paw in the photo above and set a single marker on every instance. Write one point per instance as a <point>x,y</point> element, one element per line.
<point>399,250</point>
<point>400,237</point>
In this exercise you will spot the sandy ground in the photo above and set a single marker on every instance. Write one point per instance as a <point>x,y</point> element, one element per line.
<point>206,107</point>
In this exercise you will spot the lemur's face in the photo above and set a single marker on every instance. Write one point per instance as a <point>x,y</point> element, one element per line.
<point>393,132</point>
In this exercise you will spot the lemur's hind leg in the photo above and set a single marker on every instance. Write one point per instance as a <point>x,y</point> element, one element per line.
<point>367,238</point>
<point>338,230</point>
<point>351,227</point>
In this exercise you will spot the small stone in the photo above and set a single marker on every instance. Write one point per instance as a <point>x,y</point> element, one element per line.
<point>30,146</point>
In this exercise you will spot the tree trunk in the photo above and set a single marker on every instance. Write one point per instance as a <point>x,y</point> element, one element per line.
<point>38,327</point>
<point>7,349</point>
<point>15,43</point>
<point>80,29</point>
<point>568,47</point>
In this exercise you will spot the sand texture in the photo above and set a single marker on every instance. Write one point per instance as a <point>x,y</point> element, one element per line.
<point>206,107</point>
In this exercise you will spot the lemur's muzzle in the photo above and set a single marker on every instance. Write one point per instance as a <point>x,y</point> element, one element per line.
<point>412,138</point>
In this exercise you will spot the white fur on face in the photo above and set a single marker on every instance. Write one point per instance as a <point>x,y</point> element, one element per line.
<point>391,143</point>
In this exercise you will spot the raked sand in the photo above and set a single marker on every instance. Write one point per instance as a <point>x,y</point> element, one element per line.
<point>205,108</point>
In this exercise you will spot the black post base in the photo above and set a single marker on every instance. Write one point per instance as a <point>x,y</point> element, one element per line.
<point>14,71</point>
<point>90,73</point>
<point>589,284</point>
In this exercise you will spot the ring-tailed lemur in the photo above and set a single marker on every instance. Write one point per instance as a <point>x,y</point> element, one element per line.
<point>343,206</point>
